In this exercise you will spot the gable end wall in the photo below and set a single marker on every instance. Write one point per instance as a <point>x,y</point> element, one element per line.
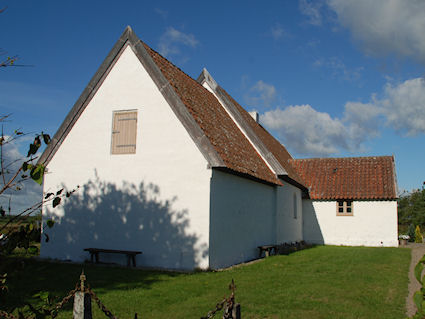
<point>155,201</point>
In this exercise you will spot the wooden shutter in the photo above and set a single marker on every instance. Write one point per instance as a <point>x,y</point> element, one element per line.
<point>124,131</point>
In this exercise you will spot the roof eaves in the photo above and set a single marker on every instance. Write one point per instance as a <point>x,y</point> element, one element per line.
<point>293,182</point>
<point>394,177</point>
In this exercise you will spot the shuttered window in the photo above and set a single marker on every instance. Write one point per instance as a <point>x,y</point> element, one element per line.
<point>124,131</point>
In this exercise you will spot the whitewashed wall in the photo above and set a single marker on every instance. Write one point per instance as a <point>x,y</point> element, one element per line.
<point>166,217</point>
<point>243,215</point>
<point>374,223</point>
<point>288,228</point>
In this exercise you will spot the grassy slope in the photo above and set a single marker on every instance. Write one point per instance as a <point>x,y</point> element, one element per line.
<point>323,282</point>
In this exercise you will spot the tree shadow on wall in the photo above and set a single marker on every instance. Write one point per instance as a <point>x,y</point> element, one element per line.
<point>101,215</point>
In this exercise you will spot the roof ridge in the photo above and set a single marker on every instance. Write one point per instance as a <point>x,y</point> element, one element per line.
<point>178,68</point>
<point>348,157</point>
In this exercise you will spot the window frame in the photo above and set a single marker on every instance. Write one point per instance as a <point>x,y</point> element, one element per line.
<point>114,143</point>
<point>346,205</point>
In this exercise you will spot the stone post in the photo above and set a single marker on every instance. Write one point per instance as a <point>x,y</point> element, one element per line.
<point>82,302</point>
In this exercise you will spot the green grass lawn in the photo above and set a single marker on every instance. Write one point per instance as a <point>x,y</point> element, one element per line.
<point>322,282</point>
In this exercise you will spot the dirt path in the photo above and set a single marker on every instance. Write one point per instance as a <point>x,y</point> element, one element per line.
<point>418,250</point>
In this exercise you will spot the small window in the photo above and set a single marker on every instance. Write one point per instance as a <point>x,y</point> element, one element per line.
<point>124,130</point>
<point>295,206</point>
<point>344,208</point>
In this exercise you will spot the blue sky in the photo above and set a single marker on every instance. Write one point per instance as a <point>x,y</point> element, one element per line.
<point>329,78</point>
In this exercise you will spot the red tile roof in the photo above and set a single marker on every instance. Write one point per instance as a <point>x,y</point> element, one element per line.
<point>274,146</point>
<point>233,147</point>
<point>348,178</point>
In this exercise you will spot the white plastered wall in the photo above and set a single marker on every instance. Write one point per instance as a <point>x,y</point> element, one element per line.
<point>156,200</point>
<point>243,216</point>
<point>374,223</point>
<point>288,228</point>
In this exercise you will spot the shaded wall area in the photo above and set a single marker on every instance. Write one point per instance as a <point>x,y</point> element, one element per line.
<point>243,216</point>
<point>312,232</point>
<point>289,223</point>
<point>131,217</point>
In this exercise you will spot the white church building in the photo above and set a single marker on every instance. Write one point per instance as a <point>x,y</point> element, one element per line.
<point>176,168</point>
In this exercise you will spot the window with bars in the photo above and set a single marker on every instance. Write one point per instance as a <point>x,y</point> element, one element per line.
<point>344,208</point>
<point>124,131</point>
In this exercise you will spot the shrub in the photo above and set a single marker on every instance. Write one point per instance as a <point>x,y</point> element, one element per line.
<point>411,232</point>
<point>418,235</point>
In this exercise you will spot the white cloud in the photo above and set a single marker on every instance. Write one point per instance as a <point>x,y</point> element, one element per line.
<point>310,132</point>
<point>362,122</point>
<point>260,94</point>
<point>306,130</point>
<point>385,26</point>
<point>404,106</point>
<point>311,9</point>
<point>338,69</point>
<point>162,13</point>
<point>277,32</point>
<point>172,39</point>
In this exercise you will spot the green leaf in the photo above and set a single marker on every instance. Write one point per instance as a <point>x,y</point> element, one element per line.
<point>33,250</point>
<point>37,141</point>
<point>25,166</point>
<point>59,192</point>
<point>37,173</point>
<point>418,298</point>
<point>48,195</point>
<point>56,201</point>
<point>418,271</point>
<point>33,149</point>
<point>46,138</point>
<point>50,223</point>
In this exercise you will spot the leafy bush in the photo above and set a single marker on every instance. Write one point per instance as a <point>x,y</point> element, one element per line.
<point>411,232</point>
<point>418,235</point>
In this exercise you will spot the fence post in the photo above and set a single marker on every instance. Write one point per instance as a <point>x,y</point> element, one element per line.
<point>236,311</point>
<point>82,306</point>
<point>82,302</point>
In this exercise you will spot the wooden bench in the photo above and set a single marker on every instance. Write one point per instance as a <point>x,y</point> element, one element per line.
<point>131,255</point>
<point>267,250</point>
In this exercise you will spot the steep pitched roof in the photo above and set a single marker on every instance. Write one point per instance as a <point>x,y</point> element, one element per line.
<point>279,152</point>
<point>213,131</point>
<point>229,142</point>
<point>272,150</point>
<point>349,178</point>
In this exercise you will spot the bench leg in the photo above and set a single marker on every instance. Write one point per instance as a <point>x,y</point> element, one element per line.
<point>96,256</point>
<point>133,258</point>
<point>128,260</point>
<point>91,257</point>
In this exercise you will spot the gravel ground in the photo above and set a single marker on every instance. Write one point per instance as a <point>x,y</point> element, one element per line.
<point>418,250</point>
